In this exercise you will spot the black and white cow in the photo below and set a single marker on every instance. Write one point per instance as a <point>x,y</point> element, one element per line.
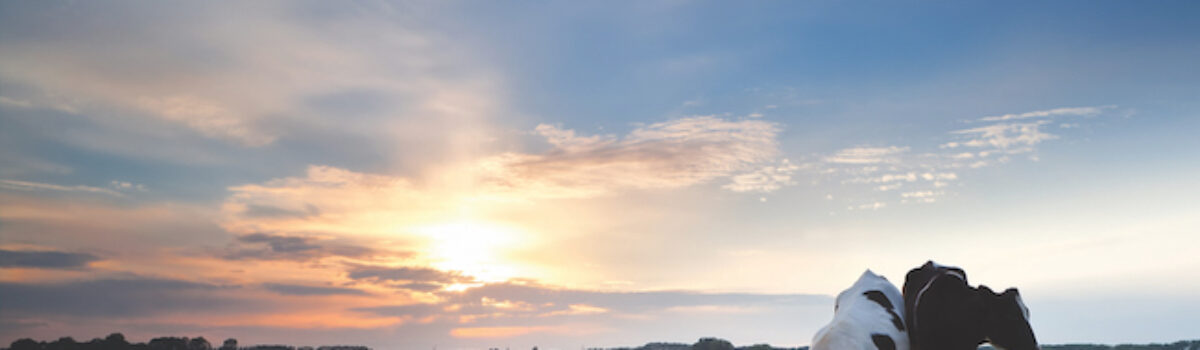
<point>867,316</point>
<point>943,312</point>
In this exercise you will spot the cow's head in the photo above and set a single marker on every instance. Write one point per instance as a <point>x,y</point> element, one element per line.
<point>1006,321</point>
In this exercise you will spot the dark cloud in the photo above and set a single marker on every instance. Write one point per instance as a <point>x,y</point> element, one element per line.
<point>417,310</point>
<point>8,326</point>
<point>266,211</point>
<point>303,290</point>
<point>120,298</point>
<point>264,246</point>
<point>411,274</point>
<point>45,259</point>
<point>420,286</point>
<point>280,244</point>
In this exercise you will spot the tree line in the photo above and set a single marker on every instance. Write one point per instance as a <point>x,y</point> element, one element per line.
<point>116,341</point>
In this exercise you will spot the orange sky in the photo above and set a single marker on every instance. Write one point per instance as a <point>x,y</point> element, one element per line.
<point>475,175</point>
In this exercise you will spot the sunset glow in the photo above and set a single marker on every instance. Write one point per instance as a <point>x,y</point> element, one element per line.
<point>566,175</point>
<point>474,248</point>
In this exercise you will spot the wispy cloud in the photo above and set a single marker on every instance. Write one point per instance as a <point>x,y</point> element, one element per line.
<point>1008,137</point>
<point>672,154</point>
<point>405,273</point>
<point>208,118</point>
<point>925,176</point>
<point>307,290</point>
<point>118,298</point>
<point>46,259</point>
<point>262,246</point>
<point>1077,111</point>
<point>38,186</point>
<point>766,179</point>
<point>204,71</point>
<point>867,155</point>
<point>438,217</point>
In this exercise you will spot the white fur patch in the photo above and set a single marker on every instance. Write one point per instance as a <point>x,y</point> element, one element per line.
<point>856,317</point>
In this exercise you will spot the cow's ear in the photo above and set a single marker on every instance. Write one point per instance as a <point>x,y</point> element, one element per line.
<point>985,291</point>
<point>982,300</point>
<point>1012,296</point>
<point>973,314</point>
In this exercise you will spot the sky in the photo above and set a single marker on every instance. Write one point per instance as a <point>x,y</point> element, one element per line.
<point>411,175</point>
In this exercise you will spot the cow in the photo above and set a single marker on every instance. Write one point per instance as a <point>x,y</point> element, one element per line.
<point>943,312</point>
<point>867,316</point>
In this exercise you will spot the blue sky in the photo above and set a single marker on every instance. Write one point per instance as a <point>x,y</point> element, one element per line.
<point>464,174</point>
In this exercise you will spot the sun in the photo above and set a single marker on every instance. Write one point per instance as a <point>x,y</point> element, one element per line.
<point>475,248</point>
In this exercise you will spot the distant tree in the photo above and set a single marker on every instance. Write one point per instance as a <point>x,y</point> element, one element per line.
<point>168,343</point>
<point>229,344</point>
<point>64,343</point>
<point>199,343</point>
<point>712,344</point>
<point>115,341</point>
<point>25,344</point>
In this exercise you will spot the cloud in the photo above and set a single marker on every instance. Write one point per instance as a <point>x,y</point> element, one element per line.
<point>672,154</point>
<point>1011,137</point>
<point>280,244</point>
<point>410,274</point>
<point>207,117</point>
<point>38,186</point>
<point>305,290</point>
<point>445,213</point>
<point>350,204</point>
<point>766,179</point>
<point>266,211</point>
<point>922,196</point>
<point>677,153</point>
<point>114,298</point>
<point>1079,111</point>
<point>45,259</point>
<point>498,332</point>
<point>139,302</point>
<point>867,155</point>
<point>13,102</point>
<point>159,73</point>
<point>263,246</point>
<point>871,206</point>
<point>889,168</point>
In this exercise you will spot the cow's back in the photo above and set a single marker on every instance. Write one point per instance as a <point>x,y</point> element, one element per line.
<point>939,307</point>
<point>869,316</point>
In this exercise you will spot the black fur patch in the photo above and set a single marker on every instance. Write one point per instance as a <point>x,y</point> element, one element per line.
<point>883,342</point>
<point>878,297</point>
<point>883,301</point>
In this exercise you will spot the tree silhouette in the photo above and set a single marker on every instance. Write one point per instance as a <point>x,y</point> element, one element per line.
<point>25,344</point>
<point>198,343</point>
<point>712,344</point>
<point>168,343</point>
<point>229,344</point>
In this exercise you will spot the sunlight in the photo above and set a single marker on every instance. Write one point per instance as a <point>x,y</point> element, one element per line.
<point>475,248</point>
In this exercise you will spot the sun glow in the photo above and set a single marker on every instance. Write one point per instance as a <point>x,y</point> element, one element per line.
<point>475,248</point>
